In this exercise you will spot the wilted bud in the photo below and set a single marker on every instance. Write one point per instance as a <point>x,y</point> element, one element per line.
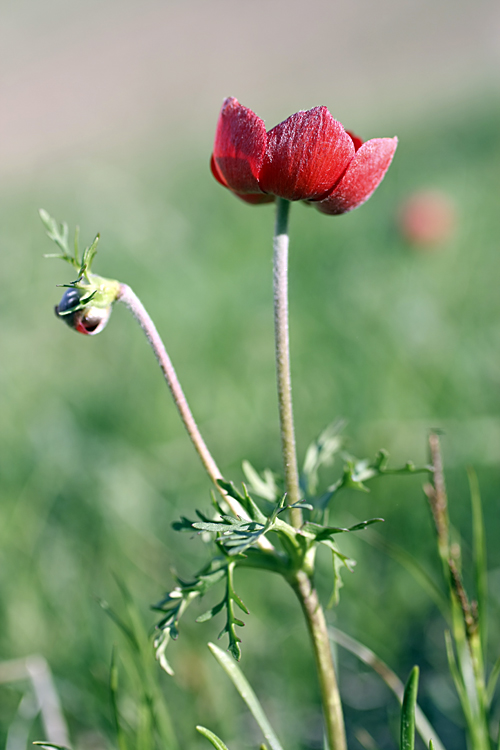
<point>87,308</point>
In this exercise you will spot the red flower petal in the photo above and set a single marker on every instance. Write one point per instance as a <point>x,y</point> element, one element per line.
<point>215,171</point>
<point>357,141</point>
<point>305,156</point>
<point>363,175</point>
<point>253,198</point>
<point>240,143</point>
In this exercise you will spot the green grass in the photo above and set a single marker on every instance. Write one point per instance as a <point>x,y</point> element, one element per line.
<point>95,465</point>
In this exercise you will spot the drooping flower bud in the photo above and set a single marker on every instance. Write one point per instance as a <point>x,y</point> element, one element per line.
<point>86,307</point>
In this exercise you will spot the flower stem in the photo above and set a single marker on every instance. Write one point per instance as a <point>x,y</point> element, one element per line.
<point>316,623</point>
<point>130,299</point>
<point>134,304</point>
<point>282,345</point>
<point>301,581</point>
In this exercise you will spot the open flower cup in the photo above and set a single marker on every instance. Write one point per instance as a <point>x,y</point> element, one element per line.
<point>308,157</point>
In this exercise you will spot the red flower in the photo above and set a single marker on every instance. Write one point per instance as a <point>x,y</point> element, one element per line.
<point>308,157</point>
<point>427,218</point>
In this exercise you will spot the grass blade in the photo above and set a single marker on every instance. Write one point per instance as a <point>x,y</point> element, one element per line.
<point>408,712</point>
<point>479,556</point>
<point>457,678</point>
<point>113,689</point>
<point>36,669</point>
<point>211,737</point>
<point>492,682</point>
<point>243,687</point>
<point>368,657</point>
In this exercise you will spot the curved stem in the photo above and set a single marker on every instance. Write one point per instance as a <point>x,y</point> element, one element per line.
<point>134,304</point>
<point>316,624</point>
<point>132,301</point>
<point>282,345</point>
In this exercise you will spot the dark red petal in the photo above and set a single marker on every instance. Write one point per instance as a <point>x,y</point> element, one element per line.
<point>216,173</point>
<point>357,141</point>
<point>305,156</point>
<point>80,327</point>
<point>255,198</point>
<point>364,174</point>
<point>240,143</point>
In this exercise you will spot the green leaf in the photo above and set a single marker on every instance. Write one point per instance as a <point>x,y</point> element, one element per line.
<point>120,622</point>
<point>243,687</point>
<point>237,599</point>
<point>183,525</point>
<point>408,712</point>
<point>219,527</point>
<point>211,612</point>
<point>175,603</point>
<point>301,504</point>
<point>364,524</point>
<point>58,233</point>
<point>238,542</point>
<point>357,472</point>
<point>211,737</point>
<point>252,508</point>
<point>234,536</point>
<point>320,453</point>
<point>232,622</point>
<point>231,490</point>
<point>245,500</point>
<point>339,561</point>
<point>325,532</point>
<point>88,256</point>
<point>337,581</point>
<point>49,744</point>
<point>263,487</point>
<point>381,460</point>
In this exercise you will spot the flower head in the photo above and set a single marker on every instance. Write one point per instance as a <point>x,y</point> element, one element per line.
<point>86,304</point>
<point>77,310</point>
<point>308,157</point>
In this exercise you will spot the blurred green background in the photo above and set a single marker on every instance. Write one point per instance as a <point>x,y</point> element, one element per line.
<point>107,119</point>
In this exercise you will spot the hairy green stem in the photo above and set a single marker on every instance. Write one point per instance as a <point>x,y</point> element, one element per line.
<point>282,345</point>
<point>316,624</point>
<point>300,581</point>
